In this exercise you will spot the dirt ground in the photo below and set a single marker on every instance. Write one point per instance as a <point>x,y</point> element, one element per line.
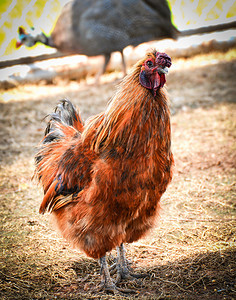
<point>190,254</point>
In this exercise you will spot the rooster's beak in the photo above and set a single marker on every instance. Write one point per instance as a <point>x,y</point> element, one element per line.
<point>164,71</point>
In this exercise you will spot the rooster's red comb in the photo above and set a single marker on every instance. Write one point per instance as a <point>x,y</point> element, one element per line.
<point>163,60</point>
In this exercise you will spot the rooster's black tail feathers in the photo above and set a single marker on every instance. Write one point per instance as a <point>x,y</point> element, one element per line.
<point>65,115</point>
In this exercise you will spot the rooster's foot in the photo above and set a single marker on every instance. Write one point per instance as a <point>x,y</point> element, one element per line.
<point>124,271</point>
<point>107,283</point>
<point>114,267</point>
<point>112,288</point>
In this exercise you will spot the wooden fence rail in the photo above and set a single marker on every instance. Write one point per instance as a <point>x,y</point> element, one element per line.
<point>32,59</point>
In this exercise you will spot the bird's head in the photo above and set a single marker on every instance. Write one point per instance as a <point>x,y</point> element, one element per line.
<point>153,71</point>
<point>25,38</point>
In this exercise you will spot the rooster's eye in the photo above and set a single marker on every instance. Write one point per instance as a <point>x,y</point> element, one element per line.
<point>149,63</point>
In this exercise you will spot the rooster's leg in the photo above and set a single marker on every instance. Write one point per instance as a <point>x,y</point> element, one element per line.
<point>107,282</point>
<point>123,269</point>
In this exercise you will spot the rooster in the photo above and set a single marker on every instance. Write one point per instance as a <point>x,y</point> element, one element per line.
<point>103,180</point>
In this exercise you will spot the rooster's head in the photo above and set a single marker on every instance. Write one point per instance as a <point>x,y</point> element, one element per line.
<point>153,71</point>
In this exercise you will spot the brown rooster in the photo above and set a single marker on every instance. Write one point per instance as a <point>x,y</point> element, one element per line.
<point>103,180</point>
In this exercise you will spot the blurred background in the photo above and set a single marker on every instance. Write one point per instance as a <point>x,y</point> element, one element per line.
<point>43,14</point>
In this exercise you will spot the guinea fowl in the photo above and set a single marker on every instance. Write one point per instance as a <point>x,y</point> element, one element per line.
<point>100,27</point>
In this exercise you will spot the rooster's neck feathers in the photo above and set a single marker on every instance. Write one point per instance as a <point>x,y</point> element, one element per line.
<point>133,117</point>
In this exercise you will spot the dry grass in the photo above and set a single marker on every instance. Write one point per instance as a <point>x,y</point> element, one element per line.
<point>190,254</point>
